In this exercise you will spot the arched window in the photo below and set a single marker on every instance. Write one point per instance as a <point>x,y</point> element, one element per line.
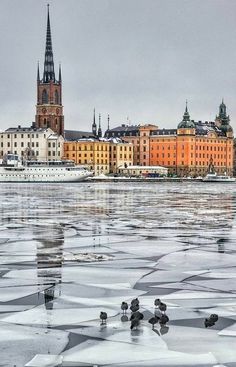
<point>56,97</point>
<point>44,96</point>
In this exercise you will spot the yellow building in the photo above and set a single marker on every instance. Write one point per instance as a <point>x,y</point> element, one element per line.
<point>121,155</point>
<point>102,156</point>
<point>94,153</point>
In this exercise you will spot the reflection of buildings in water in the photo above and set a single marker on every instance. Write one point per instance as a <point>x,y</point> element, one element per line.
<point>49,263</point>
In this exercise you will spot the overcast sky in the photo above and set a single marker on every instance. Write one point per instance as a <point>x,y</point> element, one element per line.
<point>135,59</point>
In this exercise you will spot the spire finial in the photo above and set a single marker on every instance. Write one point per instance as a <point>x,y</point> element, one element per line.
<point>186,108</point>
<point>108,122</point>
<point>48,73</point>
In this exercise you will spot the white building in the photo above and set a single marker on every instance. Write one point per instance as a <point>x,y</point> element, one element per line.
<point>144,171</point>
<point>28,143</point>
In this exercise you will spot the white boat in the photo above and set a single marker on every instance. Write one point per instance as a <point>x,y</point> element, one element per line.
<point>13,170</point>
<point>214,177</point>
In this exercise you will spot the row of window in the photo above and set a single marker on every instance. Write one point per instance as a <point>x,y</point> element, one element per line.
<point>31,153</point>
<point>173,163</point>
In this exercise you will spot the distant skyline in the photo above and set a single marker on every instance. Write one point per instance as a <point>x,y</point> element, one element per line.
<point>136,60</point>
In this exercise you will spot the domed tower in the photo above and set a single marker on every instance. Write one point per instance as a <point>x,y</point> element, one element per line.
<point>186,123</point>
<point>223,120</point>
<point>49,109</point>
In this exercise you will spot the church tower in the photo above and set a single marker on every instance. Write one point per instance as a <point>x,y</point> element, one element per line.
<point>49,109</point>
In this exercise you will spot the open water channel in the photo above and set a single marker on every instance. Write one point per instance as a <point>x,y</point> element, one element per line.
<point>69,251</point>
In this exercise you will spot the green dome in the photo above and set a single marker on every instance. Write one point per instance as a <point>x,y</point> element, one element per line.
<point>186,123</point>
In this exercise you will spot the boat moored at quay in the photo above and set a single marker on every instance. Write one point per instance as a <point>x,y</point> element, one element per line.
<point>214,177</point>
<point>12,169</point>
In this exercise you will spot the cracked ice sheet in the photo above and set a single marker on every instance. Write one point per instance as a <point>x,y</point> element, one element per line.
<point>182,295</point>
<point>194,259</point>
<point>99,241</point>
<point>86,274</point>
<point>229,331</point>
<point>105,353</point>
<point>11,293</point>
<point>45,360</point>
<point>166,276</point>
<point>9,259</point>
<point>117,331</point>
<point>147,248</point>
<point>228,311</point>
<point>97,295</point>
<point>125,263</point>
<point>185,286</point>
<point>19,344</point>
<point>40,316</point>
<point>223,273</point>
<point>201,340</point>
<point>228,285</point>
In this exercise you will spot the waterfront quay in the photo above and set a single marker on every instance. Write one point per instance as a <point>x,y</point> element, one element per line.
<point>70,251</point>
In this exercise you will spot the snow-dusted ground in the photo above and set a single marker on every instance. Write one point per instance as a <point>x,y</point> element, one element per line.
<point>69,251</point>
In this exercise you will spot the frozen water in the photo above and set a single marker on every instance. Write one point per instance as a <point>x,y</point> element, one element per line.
<point>173,241</point>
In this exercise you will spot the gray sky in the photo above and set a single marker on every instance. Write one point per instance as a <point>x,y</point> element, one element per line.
<point>130,58</point>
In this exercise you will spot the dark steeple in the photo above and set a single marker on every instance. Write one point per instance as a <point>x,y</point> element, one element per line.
<point>94,126</point>
<point>223,119</point>
<point>38,74</point>
<point>186,116</point>
<point>48,73</point>
<point>108,122</point>
<point>99,127</point>
<point>222,112</point>
<point>49,91</point>
<point>59,77</point>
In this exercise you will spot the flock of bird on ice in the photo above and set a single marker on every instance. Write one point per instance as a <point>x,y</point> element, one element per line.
<point>159,315</point>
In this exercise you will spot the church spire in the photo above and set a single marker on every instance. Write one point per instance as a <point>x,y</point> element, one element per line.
<point>94,125</point>
<point>186,116</point>
<point>59,77</point>
<point>99,127</point>
<point>108,122</point>
<point>38,74</point>
<point>48,73</point>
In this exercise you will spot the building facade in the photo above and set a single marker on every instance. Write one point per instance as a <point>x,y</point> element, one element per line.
<point>29,143</point>
<point>102,156</point>
<point>49,109</point>
<point>190,150</point>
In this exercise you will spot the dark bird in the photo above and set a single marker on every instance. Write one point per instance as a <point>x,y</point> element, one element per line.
<point>137,315</point>
<point>124,306</point>
<point>103,317</point>
<point>208,323</point>
<point>153,321</point>
<point>163,319</point>
<point>162,307</point>
<point>135,302</point>
<point>214,317</point>
<point>157,302</point>
<point>134,308</point>
<point>134,323</point>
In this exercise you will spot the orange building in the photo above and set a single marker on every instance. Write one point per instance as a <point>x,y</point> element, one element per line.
<point>190,150</point>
